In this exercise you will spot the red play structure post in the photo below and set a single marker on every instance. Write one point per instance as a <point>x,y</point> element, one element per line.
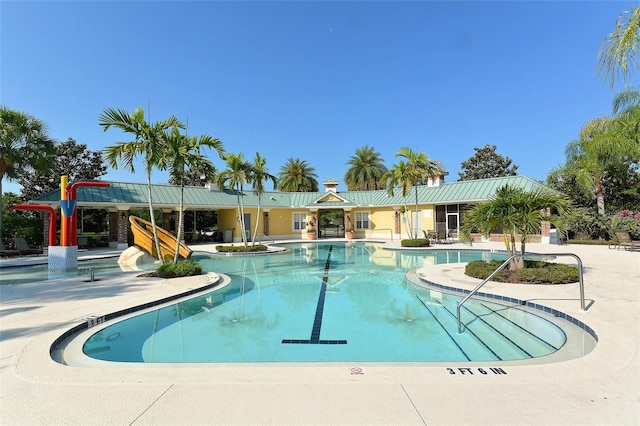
<point>72,191</point>
<point>52,218</point>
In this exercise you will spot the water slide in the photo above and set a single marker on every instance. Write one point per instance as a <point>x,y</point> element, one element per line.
<point>143,238</point>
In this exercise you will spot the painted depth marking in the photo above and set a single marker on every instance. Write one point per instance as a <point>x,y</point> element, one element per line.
<point>317,322</point>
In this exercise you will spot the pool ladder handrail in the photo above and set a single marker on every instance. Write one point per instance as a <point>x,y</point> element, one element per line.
<point>268,238</point>
<point>380,229</point>
<point>506,262</point>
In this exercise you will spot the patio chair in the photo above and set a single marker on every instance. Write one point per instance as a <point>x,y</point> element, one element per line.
<point>4,252</point>
<point>624,240</point>
<point>24,249</point>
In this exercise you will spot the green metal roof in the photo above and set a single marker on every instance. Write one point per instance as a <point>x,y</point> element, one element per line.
<point>135,194</point>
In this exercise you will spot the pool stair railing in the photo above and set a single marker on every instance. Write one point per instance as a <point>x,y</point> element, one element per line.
<point>502,266</point>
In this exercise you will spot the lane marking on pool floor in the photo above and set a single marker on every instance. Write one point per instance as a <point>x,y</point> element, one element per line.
<point>317,322</point>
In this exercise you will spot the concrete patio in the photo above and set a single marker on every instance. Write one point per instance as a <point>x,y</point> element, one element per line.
<point>602,387</point>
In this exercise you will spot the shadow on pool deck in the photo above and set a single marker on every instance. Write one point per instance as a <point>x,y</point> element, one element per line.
<point>600,388</point>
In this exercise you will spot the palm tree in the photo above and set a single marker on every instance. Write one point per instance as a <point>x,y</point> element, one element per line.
<point>236,176</point>
<point>366,170</point>
<point>184,152</point>
<point>418,168</point>
<point>396,177</point>
<point>515,212</point>
<point>605,144</point>
<point>618,53</point>
<point>297,176</point>
<point>148,141</point>
<point>258,174</point>
<point>24,144</point>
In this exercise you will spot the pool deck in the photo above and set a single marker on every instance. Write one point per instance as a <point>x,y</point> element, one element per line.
<point>601,388</point>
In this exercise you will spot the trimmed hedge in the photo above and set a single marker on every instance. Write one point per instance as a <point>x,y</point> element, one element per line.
<point>415,242</point>
<point>242,249</point>
<point>180,269</point>
<point>535,272</point>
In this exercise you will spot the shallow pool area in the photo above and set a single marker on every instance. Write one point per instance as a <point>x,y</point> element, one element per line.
<point>10,275</point>
<point>330,302</point>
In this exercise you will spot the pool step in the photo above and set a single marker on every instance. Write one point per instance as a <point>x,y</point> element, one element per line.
<point>496,331</point>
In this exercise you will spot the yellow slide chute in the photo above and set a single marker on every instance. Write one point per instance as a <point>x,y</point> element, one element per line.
<point>143,238</point>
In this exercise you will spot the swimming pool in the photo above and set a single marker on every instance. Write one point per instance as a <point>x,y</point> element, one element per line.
<point>328,302</point>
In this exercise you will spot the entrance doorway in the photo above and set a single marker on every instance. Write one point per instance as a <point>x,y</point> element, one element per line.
<point>331,223</point>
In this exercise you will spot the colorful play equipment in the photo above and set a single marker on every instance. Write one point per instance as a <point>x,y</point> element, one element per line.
<point>52,217</point>
<point>143,237</point>
<point>65,256</point>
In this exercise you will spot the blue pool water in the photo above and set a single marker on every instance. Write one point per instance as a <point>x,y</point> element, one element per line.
<point>327,302</point>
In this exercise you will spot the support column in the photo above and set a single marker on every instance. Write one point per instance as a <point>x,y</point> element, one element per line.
<point>122,228</point>
<point>166,221</point>
<point>46,219</point>
<point>545,228</point>
<point>398,222</point>
<point>265,222</point>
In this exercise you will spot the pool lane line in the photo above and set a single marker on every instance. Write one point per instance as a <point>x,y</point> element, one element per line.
<point>317,321</point>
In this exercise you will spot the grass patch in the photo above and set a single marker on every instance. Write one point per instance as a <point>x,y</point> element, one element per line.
<point>535,272</point>
<point>242,249</point>
<point>181,269</point>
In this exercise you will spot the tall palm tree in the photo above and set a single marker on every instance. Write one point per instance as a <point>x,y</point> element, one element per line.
<point>148,141</point>
<point>419,167</point>
<point>236,176</point>
<point>619,50</point>
<point>258,175</point>
<point>394,178</point>
<point>366,170</point>
<point>515,212</point>
<point>297,176</point>
<point>24,145</point>
<point>605,144</point>
<point>183,153</point>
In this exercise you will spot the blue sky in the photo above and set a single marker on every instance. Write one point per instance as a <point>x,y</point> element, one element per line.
<point>316,80</point>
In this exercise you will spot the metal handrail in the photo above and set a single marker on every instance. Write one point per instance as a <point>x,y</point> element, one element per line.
<point>506,262</point>
<point>380,229</point>
<point>267,237</point>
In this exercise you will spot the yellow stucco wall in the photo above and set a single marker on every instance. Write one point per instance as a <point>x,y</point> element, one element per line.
<point>382,219</point>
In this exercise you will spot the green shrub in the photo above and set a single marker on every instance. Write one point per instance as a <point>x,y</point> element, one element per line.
<point>242,249</point>
<point>415,242</point>
<point>535,272</point>
<point>180,269</point>
<point>586,224</point>
<point>626,220</point>
<point>481,269</point>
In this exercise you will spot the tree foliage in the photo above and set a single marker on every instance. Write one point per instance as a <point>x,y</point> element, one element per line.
<point>365,171</point>
<point>608,146</point>
<point>194,177</point>
<point>183,153</point>
<point>517,213</point>
<point>24,146</point>
<point>148,141</point>
<point>297,175</point>
<point>414,169</point>
<point>20,223</point>
<point>487,163</point>
<point>70,159</point>
<point>618,55</point>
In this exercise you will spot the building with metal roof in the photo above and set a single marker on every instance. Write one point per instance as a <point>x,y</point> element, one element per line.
<point>286,215</point>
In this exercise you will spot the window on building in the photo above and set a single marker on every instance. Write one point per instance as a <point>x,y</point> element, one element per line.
<point>299,221</point>
<point>362,220</point>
